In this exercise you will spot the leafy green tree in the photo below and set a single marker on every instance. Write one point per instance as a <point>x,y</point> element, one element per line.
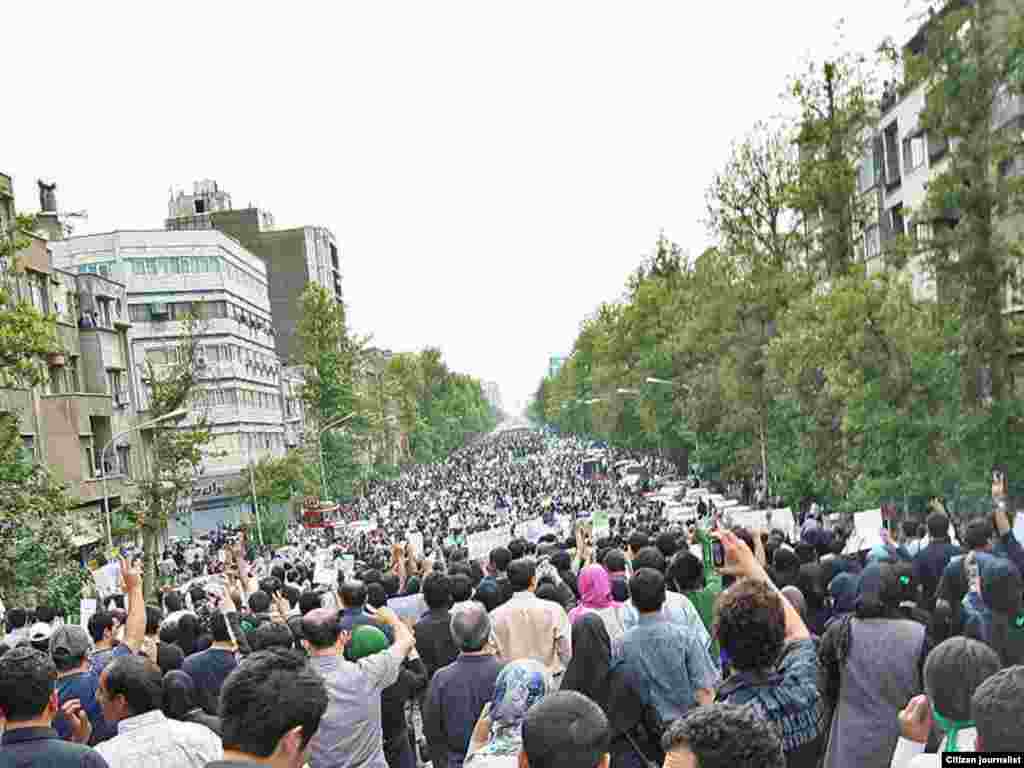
<point>278,480</point>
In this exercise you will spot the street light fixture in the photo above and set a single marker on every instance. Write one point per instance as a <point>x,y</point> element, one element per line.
<point>103,462</point>
<point>668,382</point>
<point>337,422</point>
<point>624,391</point>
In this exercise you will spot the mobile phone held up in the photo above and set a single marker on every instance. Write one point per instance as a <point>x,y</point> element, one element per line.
<point>717,554</point>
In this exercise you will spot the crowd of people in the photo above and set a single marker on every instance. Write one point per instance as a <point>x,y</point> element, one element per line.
<point>648,641</point>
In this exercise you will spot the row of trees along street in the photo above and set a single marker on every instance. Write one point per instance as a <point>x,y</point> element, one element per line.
<point>776,353</point>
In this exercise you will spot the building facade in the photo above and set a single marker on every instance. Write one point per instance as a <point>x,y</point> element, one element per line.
<point>169,275</point>
<point>79,422</point>
<point>294,257</point>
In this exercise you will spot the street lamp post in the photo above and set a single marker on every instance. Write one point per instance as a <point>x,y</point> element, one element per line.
<point>103,463</point>
<point>320,442</point>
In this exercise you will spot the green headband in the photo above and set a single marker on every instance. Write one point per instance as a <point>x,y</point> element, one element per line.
<point>951,728</point>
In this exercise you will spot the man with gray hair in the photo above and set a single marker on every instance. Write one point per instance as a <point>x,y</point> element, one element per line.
<point>459,691</point>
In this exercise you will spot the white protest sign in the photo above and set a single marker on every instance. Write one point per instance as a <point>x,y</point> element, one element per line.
<point>415,540</point>
<point>867,531</point>
<point>328,576</point>
<point>108,579</point>
<point>86,609</point>
<point>410,608</point>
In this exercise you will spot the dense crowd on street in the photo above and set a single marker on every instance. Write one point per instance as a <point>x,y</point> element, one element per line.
<point>393,641</point>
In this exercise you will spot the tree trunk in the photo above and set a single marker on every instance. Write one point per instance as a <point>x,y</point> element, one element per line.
<point>150,550</point>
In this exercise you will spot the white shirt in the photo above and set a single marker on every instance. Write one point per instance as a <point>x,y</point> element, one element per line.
<point>911,754</point>
<point>151,740</point>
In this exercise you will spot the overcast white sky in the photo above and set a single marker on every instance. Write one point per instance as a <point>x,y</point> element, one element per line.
<point>493,170</point>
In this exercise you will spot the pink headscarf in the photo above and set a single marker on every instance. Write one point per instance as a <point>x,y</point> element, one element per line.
<point>595,591</point>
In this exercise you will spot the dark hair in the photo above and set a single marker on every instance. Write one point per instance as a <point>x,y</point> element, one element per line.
<point>179,694</point>
<point>259,602</point>
<point>376,596</point>
<point>139,680</point>
<point>489,594</point>
<point>188,634</point>
<point>270,635</point>
<point>998,709</point>
<point>750,624</point>
<point>153,618</point>
<point>649,557</point>
<point>320,633</point>
<point>614,561</point>
<point>219,627</point>
<point>390,583</point>
<point>172,602</point>
<point>521,573</point>
<point>269,585</point>
<point>353,594</point>
<point>268,694</point>
<point>291,594</point>
<point>461,586</point>
<point>548,591</point>
<point>910,528</point>
<point>27,678</point>
<point>99,622</point>
<point>561,560</point>
<point>437,591</point>
<point>647,590</point>
<point>938,525</point>
<point>686,572</point>
<point>667,543</point>
<point>309,601</point>
<point>500,558</point>
<point>953,671</point>
<point>18,618</point>
<point>565,730</point>
<point>517,548</point>
<point>45,614</point>
<point>727,736</point>
<point>979,533</point>
<point>638,540</point>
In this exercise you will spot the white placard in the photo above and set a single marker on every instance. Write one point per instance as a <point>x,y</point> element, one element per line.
<point>410,608</point>
<point>868,520</point>
<point>107,579</point>
<point>86,609</point>
<point>327,576</point>
<point>415,539</point>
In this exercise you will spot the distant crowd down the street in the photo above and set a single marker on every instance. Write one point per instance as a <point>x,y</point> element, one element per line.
<point>539,600</point>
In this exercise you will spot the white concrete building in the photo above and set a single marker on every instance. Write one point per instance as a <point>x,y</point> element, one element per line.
<point>169,274</point>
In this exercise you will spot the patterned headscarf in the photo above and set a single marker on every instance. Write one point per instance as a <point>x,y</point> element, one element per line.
<point>519,686</point>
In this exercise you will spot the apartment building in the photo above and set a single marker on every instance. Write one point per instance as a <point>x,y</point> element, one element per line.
<point>79,421</point>
<point>205,273</point>
<point>294,257</point>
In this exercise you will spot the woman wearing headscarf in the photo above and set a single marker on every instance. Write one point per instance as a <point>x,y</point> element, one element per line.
<point>179,701</point>
<point>950,614</point>
<point>498,739</point>
<point>367,640</point>
<point>871,661</point>
<point>842,592</point>
<point>633,726</point>
<point>952,672</point>
<point>596,597</point>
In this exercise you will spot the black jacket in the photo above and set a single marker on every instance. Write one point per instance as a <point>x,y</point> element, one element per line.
<point>434,641</point>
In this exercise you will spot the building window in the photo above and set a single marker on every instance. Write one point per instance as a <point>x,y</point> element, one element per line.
<point>923,232</point>
<point>124,464</point>
<point>896,223</point>
<point>913,152</point>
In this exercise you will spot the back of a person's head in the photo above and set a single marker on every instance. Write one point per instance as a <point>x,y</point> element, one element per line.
<point>18,618</point>
<point>561,560</point>
<point>309,600</point>
<point>437,591</point>
<point>99,623</point>
<point>138,679</point>
<point>376,595</point>
<point>153,618</point>
<point>667,543</point>
<point>173,602</point>
<point>500,558</point>
<point>259,602</point>
<point>566,730</point>
<point>461,586</point>
<point>614,561</point>
<point>470,627</point>
<point>518,548</point>
<point>45,614</point>
<point>265,699</point>
<point>179,696</point>
<point>938,525</point>
<point>647,590</point>
<point>320,628</point>
<point>270,635</point>
<point>686,572</point>
<point>489,595</point>
<point>649,557</point>
<point>750,624</point>
<point>269,586</point>
<point>638,540</point>
<point>521,573</point>
<point>910,528</point>
<point>353,594</point>
<point>390,583</point>
<point>953,671</point>
<point>725,736</point>
<point>997,709</point>
<point>291,595</point>
<point>979,533</point>
<point>27,679</point>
